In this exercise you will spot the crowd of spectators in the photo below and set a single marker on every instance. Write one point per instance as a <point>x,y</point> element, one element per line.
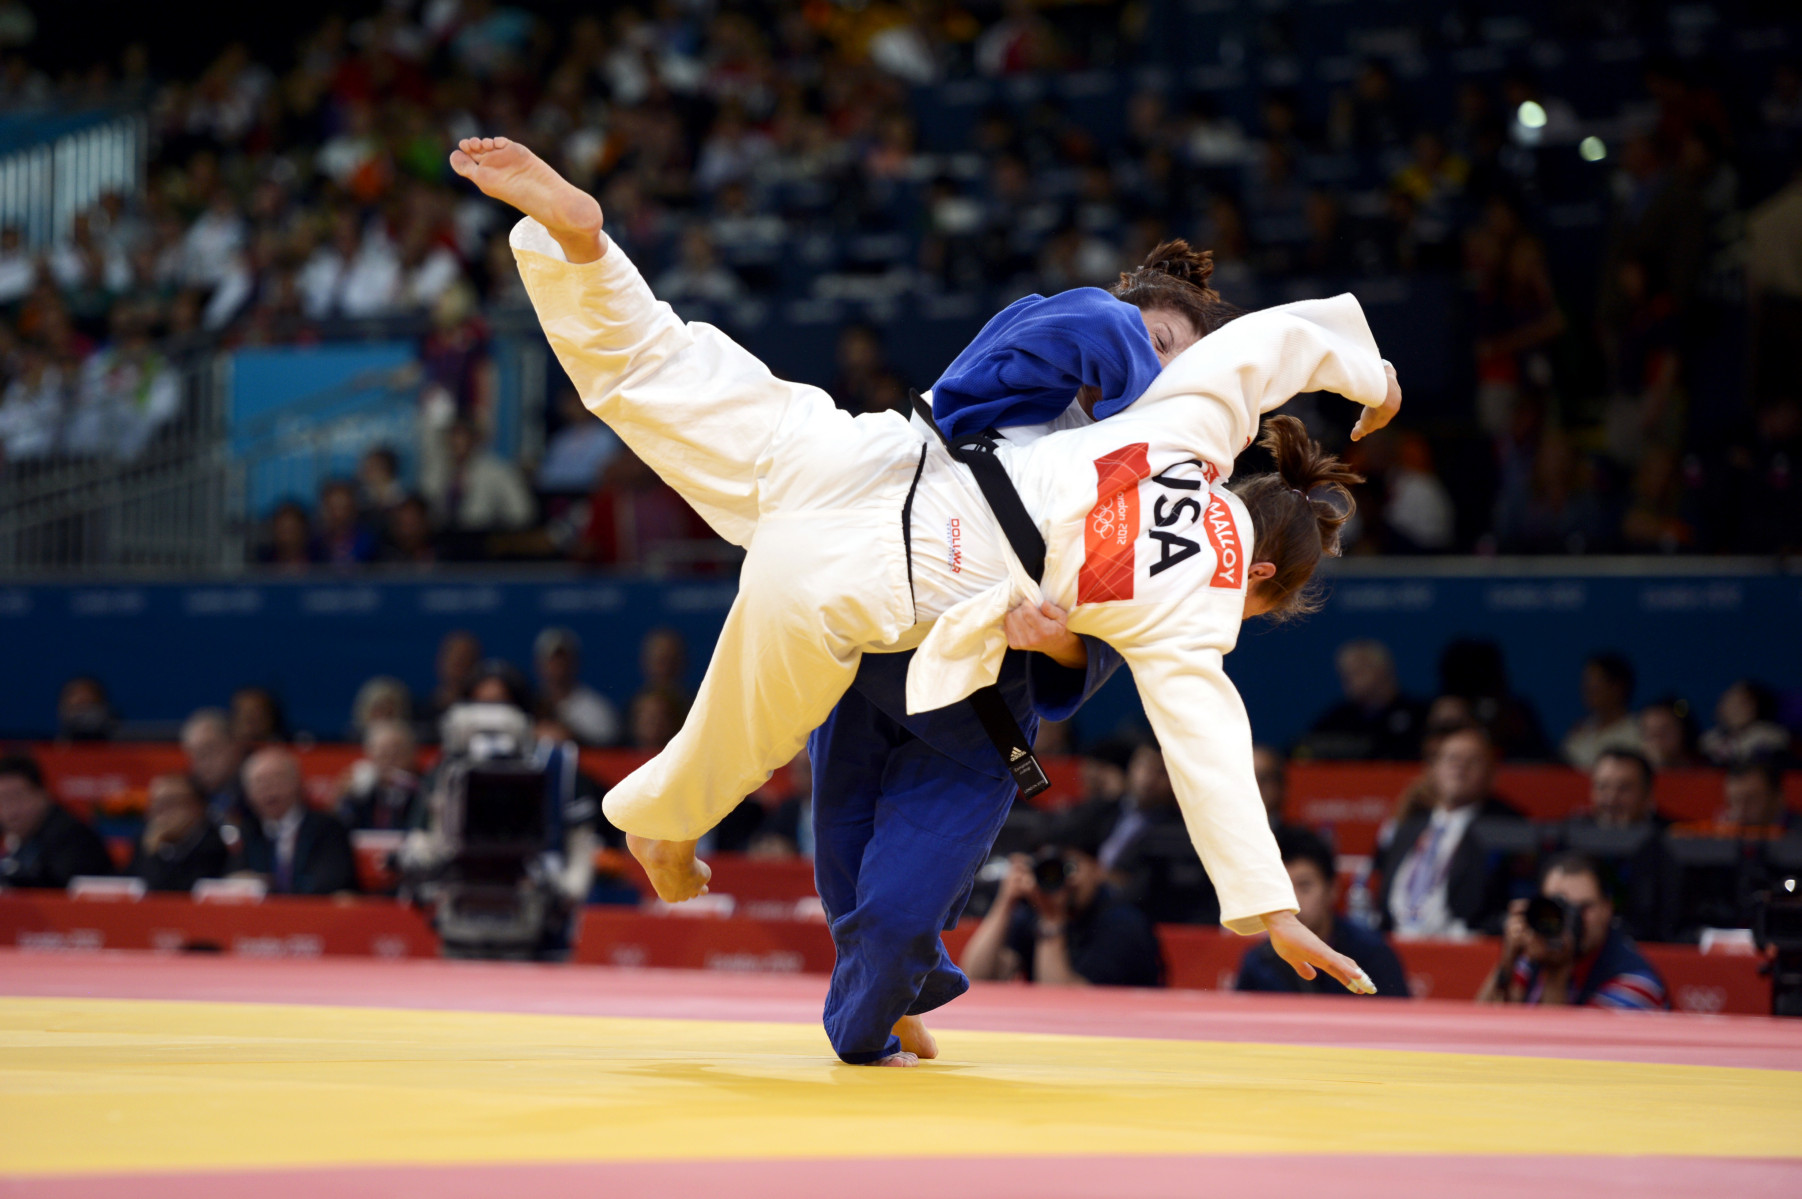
<point>1627,385</point>
<point>1072,896</point>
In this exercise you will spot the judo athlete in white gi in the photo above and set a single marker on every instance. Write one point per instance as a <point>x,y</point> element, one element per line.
<point>1146,549</point>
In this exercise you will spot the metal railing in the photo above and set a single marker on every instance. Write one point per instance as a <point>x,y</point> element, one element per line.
<point>43,186</point>
<point>164,505</point>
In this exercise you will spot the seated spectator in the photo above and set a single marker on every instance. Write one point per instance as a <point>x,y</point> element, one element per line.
<point>1374,720</point>
<point>635,518</point>
<point>697,274</point>
<point>787,827</point>
<point>475,490</point>
<point>1436,881</point>
<point>214,762</point>
<point>1272,770</point>
<point>296,850</point>
<point>343,539</point>
<point>1148,851</point>
<point>407,539</point>
<point>1607,697</point>
<point>459,656</point>
<point>378,481</point>
<point>581,709</point>
<point>256,717</point>
<point>381,790</point>
<point>1057,921</point>
<point>1667,732</point>
<point>1592,963</point>
<point>656,716</point>
<point>42,843</point>
<point>83,712</point>
<point>1753,795</point>
<point>289,543</point>
<point>1474,671</point>
<point>663,662</point>
<point>1620,793</point>
<point>1745,725</point>
<point>1104,768</point>
<point>180,845</point>
<point>383,697</point>
<point>1621,829</point>
<point>578,451</point>
<point>1311,869</point>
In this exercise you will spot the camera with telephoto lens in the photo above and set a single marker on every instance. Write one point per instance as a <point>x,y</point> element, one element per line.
<point>1553,920</point>
<point>1777,931</point>
<point>480,864</point>
<point>1050,871</point>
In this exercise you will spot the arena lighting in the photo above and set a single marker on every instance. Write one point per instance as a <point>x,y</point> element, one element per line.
<point>1531,115</point>
<point>1593,149</point>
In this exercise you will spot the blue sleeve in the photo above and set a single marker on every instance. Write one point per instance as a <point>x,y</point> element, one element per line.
<point>1058,691</point>
<point>1026,364</point>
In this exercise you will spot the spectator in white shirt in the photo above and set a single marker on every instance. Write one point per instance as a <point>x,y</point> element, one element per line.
<point>576,452</point>
<point>473,489</point>
<point>18,266</point>
<point>581,709</point>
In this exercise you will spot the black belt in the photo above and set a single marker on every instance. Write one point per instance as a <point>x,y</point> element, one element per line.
<point>977,451</point>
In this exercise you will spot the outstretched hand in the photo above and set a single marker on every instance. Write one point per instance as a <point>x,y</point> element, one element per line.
<point>1307,954</point>
<point>1375,418</point>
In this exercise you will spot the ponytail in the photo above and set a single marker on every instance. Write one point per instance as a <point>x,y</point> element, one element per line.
<point>1296,514</point>
<point>1174,277</point>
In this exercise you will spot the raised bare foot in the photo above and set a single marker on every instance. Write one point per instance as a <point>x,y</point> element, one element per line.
<point>915,1039</point>
<point>514,175</point>
<point>904,1058</point>
<point>675,873</point>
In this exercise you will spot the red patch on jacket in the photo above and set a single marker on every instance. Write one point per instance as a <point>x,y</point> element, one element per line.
<point>1229,552</point>
<point>1113,526</point>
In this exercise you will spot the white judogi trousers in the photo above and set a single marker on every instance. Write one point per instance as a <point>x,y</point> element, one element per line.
<point>814,495</point>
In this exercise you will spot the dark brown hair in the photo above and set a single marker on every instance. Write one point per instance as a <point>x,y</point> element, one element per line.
<point>1174,277</point>
<point>1296,513</point>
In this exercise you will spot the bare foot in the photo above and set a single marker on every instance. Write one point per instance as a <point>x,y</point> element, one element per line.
<point>914,1037</point>
<point>514,175</point>
<point>675,873</point>
<point>904,1058</point>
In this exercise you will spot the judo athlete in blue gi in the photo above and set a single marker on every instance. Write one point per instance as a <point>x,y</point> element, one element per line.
<point>906,808</point>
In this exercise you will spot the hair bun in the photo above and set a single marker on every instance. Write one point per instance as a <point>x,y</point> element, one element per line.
<point>1178,259</point>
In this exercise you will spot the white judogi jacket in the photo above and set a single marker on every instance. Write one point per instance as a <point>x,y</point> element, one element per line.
<point>1147,550</point>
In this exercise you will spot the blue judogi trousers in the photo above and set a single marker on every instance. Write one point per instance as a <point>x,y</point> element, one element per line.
<point>905,811</point>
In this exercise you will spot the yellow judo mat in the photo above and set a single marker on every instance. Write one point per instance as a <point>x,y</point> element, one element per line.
<point>98,1085</point>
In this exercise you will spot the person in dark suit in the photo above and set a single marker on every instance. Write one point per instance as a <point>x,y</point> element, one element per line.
<point>1312,870</point>
<point>298,850</point>
<point>1374,720</point>
<point>1438,879</point>
<point>1147,850</point>
<point>215,761</point>
<point>42,843</point>
<point>181,845</point>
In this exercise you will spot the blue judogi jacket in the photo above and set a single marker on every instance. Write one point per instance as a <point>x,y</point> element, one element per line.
<point>1024,369</point>
<point>1026,364</point>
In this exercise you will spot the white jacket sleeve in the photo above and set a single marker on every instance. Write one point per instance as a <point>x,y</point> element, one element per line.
<point>1260,362</point>
<point>1202,728</point>
<point>698,407</point>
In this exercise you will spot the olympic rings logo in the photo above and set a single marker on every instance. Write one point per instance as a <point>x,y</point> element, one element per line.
<point>1108,519</point>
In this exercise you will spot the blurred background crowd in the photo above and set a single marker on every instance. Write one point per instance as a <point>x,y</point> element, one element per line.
<point>1596,201</point>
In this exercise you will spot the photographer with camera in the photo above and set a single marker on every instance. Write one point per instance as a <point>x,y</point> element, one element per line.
<point>1056,920</point>
<point>1564,946</point>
